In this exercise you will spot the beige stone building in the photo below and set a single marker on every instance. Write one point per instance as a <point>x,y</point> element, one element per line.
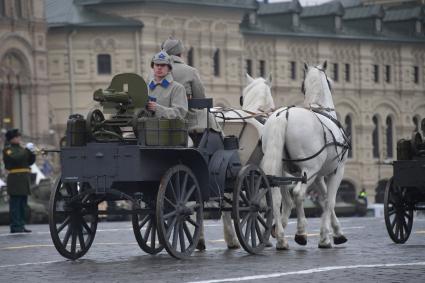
<point>23,69</point>
<point>375,54</point>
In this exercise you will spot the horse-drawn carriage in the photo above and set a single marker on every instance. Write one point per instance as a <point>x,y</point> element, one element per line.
<point>132,156</point>
<point>405,191</point>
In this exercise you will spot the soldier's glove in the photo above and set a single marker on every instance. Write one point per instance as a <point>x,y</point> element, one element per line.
<point>31,147</point>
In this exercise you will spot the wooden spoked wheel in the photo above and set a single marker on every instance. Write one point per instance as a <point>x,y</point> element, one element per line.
<point>179,211</point>
<point>73,217</point>
<point>398,213</point>
<point>252,209</point>
<point>145,228</point>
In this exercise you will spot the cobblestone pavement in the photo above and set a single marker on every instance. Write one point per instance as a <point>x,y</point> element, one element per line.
<point>368,256</point>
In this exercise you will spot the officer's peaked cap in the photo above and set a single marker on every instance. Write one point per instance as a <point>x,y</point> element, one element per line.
<point>173,46</point>
<point>12,133</point>
<point>161,58</point>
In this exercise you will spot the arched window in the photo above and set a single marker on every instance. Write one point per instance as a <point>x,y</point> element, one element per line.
<point>104,64</point>
<point>416,123</point>
<point>190,58</point>
<point>18,8</point>
<point>346,192</point>
<point>349,132</point>
<point>2,8</point>
<point>216,59</point>
<point>375,137</point>
<point>389,137</point>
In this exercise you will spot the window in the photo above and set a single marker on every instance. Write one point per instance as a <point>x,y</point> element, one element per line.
<point>347,73</point>
<point>349,132</point>
<point>416,74</point>
<point>293,69</point>
<point>18,8</point>
<point>190,58</point>
<point>375,137</point>
<point>104,64</point>
<point>295,20</point>
<point>387,73</point>
<point>262,68</point>
<point>249,67</point>
<point>416,123</point>
<point>378,25</point>
<point>376,73</point>
<point>389,133</point>
<point>2,8</point>
<point>418,27</point>
<point>216,59</point>
<point>338,23</point>
<point>335,72</point>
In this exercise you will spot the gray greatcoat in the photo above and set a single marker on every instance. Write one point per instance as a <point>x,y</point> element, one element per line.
<point>190,79</point>
<point>170,98</point>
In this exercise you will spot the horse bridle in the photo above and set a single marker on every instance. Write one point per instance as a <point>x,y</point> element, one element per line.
<point>326,76</point>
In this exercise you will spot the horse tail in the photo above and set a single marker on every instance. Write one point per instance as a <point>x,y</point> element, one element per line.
<point>274,137</point>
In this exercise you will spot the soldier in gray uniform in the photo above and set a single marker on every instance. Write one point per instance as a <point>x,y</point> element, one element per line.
<point>167,97</point>
<point>190,79</point>
<point>183,73</point>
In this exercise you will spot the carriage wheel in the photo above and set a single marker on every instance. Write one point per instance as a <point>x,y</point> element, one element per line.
<point>179,211</point>
<point>398,213</point>
<point>252,208</point>
<point>147,239</point>
<point>72,219</point>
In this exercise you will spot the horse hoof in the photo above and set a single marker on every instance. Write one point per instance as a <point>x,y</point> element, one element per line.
<point>233,247</point>
<point>325,246</point>
<point>301,239</point>
<point>201,245</point>
<point>340,240</point>
<point>282,246</point>
<point>268,244</point>
<point>273,232</point>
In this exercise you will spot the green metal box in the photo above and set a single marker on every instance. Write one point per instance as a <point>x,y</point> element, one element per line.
<point>162,132</point>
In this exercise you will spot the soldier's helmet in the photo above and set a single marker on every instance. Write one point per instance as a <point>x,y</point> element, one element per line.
<point>173,46</point>
<point>162,58</point>
<point>12,133</point>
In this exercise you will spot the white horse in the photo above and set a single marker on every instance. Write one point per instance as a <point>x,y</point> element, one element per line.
<point>257,102</point>
<point>311,139</point>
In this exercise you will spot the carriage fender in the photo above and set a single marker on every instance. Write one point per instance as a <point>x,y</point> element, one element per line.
<point>222,164</point>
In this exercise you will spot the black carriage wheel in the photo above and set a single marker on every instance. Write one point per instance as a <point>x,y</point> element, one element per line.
<point>73,219</point>
<point>179,211</point>
<point>252,208</point>
<point>398,213</point>
<point>145,229</point>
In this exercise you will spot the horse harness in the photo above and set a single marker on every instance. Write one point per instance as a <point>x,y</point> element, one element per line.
<point>346,145</point>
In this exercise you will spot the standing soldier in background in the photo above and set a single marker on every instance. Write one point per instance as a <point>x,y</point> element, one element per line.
<point>17,161</point>
<point>183,73</point>
<point>190,79</point>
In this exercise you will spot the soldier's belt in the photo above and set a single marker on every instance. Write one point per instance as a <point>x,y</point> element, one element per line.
<point>19,170</point>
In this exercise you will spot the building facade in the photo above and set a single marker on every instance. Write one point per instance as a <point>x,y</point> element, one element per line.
<point>375,53</point>
<point>24,85</point>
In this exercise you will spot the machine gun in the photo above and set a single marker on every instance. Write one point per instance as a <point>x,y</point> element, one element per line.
<point>124,100</point>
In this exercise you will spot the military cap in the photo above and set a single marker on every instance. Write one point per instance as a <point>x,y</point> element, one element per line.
<point>173,46</point>
<point>161,58</point>
<point>12,133</point>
